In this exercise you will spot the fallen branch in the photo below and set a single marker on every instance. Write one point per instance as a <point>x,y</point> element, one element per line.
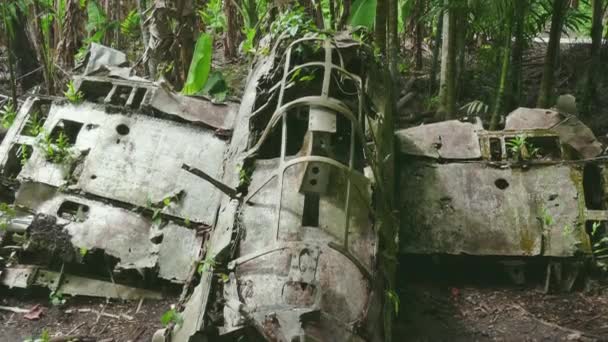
<point>100,313</point>
<point>141,301</point>
<point>404,100</point>
<point>14,309</point>
<point>75,328</point>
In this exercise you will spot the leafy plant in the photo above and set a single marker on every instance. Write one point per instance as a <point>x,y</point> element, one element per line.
<point>521,149</point>
<point>34,124</point>
<point>294,22</point>
<point>363,13</point>
<point>24,154</point>
<point>475,107</point>
<point>216,87</point>
<point>56,298</point>
<point>248,46</point>
<point>213,16</point>
<point>568,230</point>
<point>7,214</point>
<point>302,76</point>
<point>393,298</point>
<point>97,26</point>
<point>206,265</point>
<point>600,246</point>
<point>432,102</point>
<point>157,208</point>
<point>8,113</point>
<point>546,218</point>
<point>72,95</point>
<point>57,151</point>
<point>546,221</point>
<point>44,337</point>
<point>171,316</point>
<point>131,25</point>
<point>594,227</point>
<point>200,67</point>
<point>244,176</point>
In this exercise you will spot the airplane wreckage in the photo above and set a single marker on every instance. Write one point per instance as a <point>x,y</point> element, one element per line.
<point>268,213</point>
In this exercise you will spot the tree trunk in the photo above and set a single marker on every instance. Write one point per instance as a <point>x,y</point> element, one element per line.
<point>44,53</point>
<point>24,54</point>
<point>393,38</point>
<point>436,51</point>
<point>547,84</point>
<point>461,47</point>
<point>595,65</point>
<point>380,25</point>
<point>504,73</point>
<point>416,21</point>
<point>185,37</point>
<point>71,35</point>
<point>231,38</point>
<point>11,70</point>
<point>332,14</point>
<point>516,79</point>
<point>141,8</point>
<point>319,15</point>
<point>345,14</point>
<point>447,86</point>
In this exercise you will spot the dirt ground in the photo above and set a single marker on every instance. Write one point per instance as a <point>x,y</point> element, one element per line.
<point>429,311</point>
<point>433,313</point>
<point>473,300</point>
<point>79,318</point>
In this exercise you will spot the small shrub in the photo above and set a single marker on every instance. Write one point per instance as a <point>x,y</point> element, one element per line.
<point>57,151</point>
<point>56,298</point>
<point>72,95</point>
<point>34,125</point>
<point>521,149</point>
<point>7,213</point>
<point>8,113</point>
<point>171,316</point>
<point>130,26</point>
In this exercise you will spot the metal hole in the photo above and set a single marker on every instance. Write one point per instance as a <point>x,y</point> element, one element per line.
<point>501,183</point>
<point>122,129</point>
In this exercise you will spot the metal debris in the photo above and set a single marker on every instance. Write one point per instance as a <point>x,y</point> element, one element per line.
<point>120,190</point>
<point>27,276</point>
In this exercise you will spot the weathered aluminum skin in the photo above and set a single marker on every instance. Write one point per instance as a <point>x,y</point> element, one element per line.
<point>293,276</point>
<point>458,209</point>
<point>299,279</point>
<point>491,203</point>
<point>127,157</point>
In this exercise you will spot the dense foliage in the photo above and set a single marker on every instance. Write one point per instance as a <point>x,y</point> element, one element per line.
<point>468,56</point>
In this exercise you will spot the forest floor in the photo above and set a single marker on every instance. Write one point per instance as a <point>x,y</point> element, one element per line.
<point>473,299</point>
<point>443,313</point>
<point>429,311</point>
<point>79,317</point>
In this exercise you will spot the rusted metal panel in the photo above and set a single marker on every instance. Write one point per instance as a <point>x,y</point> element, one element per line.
<point>481,210</point>
<point>179,251</point>
<point>123,234</point>
<point>138,165</point>
<point>570,129</point>
<point>447,140</point>
<point>218,116</point>
<point>71,284</point>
